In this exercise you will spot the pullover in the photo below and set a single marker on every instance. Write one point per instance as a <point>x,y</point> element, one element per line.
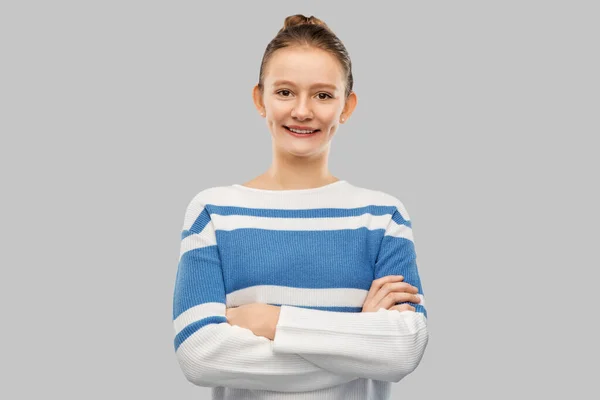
<point>314,253</point>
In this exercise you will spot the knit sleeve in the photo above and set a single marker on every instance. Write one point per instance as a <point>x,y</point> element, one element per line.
<point>384,345</point>
<point>210,351</point>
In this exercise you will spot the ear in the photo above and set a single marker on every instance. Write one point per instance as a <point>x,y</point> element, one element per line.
<point>349,107</point>
<point>258,100</point>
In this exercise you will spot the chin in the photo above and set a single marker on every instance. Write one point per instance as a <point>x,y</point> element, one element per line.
<point>305,152</point>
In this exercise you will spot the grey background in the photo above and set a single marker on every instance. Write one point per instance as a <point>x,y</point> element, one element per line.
<point>482,117</point>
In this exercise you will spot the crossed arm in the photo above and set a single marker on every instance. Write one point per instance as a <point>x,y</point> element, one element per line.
<point>298,349</point>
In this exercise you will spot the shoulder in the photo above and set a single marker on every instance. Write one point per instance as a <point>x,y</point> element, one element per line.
<point>212,195</point>
<point>381,198</point>
<point>203,200</point>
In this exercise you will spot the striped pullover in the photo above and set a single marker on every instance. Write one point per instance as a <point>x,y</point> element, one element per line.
<point>314,253</point>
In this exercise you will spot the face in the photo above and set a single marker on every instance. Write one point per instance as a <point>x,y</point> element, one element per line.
<point>304,90</point>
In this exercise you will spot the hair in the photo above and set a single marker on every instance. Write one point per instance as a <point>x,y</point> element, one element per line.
<point>299,30</point>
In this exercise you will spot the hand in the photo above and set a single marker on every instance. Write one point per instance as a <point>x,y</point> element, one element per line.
<point>260,318</point>
<point>385,292</point>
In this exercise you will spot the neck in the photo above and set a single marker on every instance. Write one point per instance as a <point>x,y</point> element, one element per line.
<point>289,172</point>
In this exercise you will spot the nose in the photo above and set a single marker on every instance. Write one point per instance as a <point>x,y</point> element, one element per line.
<point>302,110</point>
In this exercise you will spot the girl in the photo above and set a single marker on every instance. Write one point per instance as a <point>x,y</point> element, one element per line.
<point>298,284</point>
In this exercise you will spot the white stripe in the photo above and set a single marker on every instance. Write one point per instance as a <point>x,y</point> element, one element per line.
<point>399,230</point>
<point>422,303</point>
<point>231,222</point>
<point>344,196</point>
<point>197,313</point>
<point>272,294</point>
<point>198,240</point>
<point>340,196</point>
<point>193,210</point>
<point>330,297</point>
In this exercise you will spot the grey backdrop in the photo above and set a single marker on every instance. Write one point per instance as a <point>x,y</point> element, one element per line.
<point>482,117</point>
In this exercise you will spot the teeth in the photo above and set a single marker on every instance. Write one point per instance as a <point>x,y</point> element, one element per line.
<point>299,131</point>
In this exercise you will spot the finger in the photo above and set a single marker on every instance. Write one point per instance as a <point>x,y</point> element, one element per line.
<point>403,307</point>
<point>400,287</point>
<point>378,283</point>
<point>388,297</point>
<point>393,298</point>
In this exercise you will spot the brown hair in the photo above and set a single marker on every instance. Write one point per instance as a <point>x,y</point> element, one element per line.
<point>299,30</point>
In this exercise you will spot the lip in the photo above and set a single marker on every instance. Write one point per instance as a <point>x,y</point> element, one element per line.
<point>300,127</point>
<point>301,136</point>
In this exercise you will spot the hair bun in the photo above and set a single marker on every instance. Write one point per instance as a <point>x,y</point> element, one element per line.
<point>300,19</point>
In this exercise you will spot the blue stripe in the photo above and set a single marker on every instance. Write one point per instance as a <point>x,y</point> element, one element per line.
<point>195,326</point>
<point>197,273</point>
<point>300,259</point>
<point>421,309</point>
<point>397,257</point>
<point>209,209</point>
<point>198,225</point>
<point>397,217</point>
<point>329,308</point>
<point>301,213</point>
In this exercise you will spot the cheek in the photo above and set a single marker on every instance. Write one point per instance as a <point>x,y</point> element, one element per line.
<point>277,113</point>
<point>331,119</point>
<point>330,115</point>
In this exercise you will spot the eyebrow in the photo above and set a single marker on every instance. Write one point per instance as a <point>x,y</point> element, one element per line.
<point>284,82</point>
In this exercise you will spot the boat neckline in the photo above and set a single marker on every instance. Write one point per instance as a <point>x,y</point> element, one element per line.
<point>308,190</point>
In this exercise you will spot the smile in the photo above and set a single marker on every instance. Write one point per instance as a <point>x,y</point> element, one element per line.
<point>301,132</point>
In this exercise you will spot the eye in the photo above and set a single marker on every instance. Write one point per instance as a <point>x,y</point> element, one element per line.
<point>283,91</point>
<point>328,96</point>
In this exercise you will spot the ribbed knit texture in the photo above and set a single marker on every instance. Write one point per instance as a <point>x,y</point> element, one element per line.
<point>314,253</point>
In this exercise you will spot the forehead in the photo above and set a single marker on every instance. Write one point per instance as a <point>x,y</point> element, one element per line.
<point>303,66</point>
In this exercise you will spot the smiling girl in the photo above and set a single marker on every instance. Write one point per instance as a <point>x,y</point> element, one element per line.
<point>305,93</point>
<point>298,284</point>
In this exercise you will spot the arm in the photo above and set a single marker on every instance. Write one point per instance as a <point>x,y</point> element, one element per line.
<point>213,353</point>
<point>385,345</point>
